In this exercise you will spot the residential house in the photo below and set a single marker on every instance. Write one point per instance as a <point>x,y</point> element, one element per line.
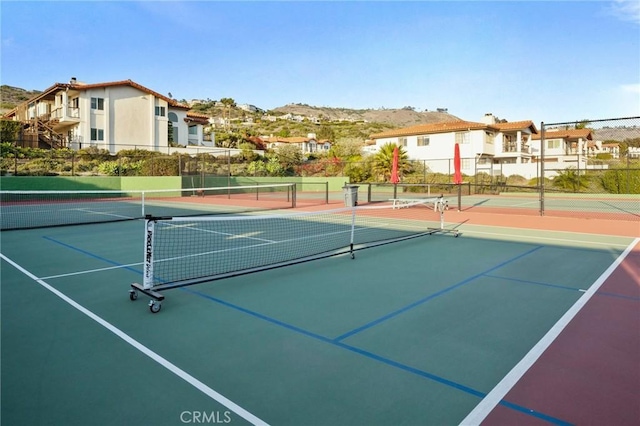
<point>113,116</point>
<point>307,145</point>
<point>565,149</point>
<point>612,148</point>
<point>495,148</point>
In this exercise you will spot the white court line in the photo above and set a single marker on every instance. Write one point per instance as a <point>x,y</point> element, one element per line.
<point>535,237</point>
<point>493,398</point>
<point>98,213</point>
<point>190,227</point>
<point>148,352</point>
<point>90,271</point>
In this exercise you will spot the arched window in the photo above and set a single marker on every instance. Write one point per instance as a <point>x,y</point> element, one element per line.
<point>173,127</point>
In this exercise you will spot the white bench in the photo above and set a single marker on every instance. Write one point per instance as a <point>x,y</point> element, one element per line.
<point>399,203</point>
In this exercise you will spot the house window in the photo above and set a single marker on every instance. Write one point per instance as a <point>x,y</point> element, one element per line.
<point>97,134</point>
<point>160,111</point>
<point>97,103</point>
<point>553,143</point>
<point>490,137</point>
<point>402,141</point>
<point>465,163</point>
<point>462,138</point>
<point>423,140</point>
<point>193,130</point>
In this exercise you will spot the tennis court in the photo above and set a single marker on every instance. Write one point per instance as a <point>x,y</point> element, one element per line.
<point>433,330</point>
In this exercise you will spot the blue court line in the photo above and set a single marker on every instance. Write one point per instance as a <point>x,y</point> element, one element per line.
<point>95,256</point>
<point>430,297</point>
<point>375,357</point>
<point>558,286</point>
<point>562,287</point>
<point>342,345</point>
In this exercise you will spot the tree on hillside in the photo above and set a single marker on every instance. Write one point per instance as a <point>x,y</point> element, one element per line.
<point>228,102</point>
<point>289,156</point>
<point>9,130</point>
<point>582,124</point>
<point>325,132</point>
<point>227,140</point>
<point>347,149</point>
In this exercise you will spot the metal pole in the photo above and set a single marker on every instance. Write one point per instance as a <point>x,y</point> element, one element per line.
<point>326,192</point>
<point>541,182</point>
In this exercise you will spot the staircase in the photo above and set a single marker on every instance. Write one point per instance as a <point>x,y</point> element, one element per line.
<point>42,135</point>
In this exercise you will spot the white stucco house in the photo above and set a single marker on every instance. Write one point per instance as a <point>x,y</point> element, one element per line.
<point>495,148</point>
<point>568,148</point>
<point>113,116</point>
<point>307,145</point>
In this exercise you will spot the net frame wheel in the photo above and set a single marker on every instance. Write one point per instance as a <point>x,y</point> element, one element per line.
<point>155,306</point>
<point>133,295</point>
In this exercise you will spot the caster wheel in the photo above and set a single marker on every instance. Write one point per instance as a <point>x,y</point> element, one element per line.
<point>133,295</point>
<point>154,306</point>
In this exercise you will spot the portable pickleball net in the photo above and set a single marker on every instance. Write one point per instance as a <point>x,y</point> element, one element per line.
<point>182,251</point>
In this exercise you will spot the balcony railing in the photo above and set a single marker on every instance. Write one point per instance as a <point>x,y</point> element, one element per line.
<point>59,113</point>
<point>512,147</point>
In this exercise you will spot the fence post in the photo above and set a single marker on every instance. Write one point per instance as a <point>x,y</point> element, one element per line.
<point>326,192</point>
<point>541,183</point>
<point>628,173</point>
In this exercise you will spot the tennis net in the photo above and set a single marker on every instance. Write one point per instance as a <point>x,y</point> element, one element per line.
<point>182,251</point>
<point>39,209</point>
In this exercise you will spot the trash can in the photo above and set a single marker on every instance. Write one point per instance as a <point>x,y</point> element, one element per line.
<point>350,195</point>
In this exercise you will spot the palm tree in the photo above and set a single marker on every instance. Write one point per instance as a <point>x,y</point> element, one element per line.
<point>569,179</point>
<point>383,161</point>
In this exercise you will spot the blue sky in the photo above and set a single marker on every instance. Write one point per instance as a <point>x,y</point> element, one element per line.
<point>545,61</point>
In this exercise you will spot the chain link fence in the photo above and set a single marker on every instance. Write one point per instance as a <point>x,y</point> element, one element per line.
<point>591,168</point>
<point>581,168</point>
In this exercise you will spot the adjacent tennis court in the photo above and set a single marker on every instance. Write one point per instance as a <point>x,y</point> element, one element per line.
<point>434,330</point>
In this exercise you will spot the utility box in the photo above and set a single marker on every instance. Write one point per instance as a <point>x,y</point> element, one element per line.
<point>350,195</point>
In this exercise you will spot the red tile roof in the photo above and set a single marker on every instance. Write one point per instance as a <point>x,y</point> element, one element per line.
<point>454,126</point>
<point>517,125</point>
<point>194,117</point>
<point>566,134</point>
<point>82,86</point>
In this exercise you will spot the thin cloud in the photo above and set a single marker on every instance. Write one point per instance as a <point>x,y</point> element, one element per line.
<point>631,88</point>
<point>626,10</point>
<point>8,42</point>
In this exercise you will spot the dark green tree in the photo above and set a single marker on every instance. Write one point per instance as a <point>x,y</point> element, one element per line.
<point>325,132</point>
<point>9,130</point>
<point>383,161</point>
<point>569,179</point>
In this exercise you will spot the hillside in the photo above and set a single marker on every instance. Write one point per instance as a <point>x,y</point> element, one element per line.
<point>395,117</point>
<point>11,96</point>
<point>617,134</point>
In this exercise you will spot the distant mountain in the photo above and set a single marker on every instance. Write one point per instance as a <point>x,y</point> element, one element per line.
<point>11,96</point>
<point>396,117</point>
<point>617,134</point>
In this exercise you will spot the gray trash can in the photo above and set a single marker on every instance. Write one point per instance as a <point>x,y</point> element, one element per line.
<point>350,195</point>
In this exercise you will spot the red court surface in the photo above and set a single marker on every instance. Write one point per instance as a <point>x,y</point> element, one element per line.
<point>591,373</point>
